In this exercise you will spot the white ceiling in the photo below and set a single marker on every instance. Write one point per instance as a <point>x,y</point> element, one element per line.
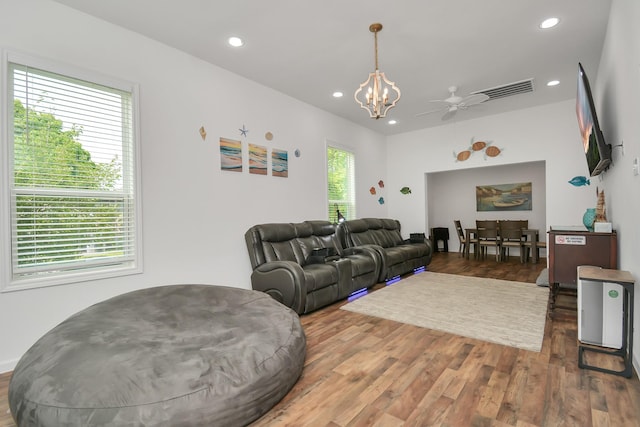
<point>309,49</point>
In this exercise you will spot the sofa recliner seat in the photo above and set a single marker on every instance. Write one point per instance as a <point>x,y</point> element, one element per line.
<point>285,266</point>
<point>398,256</point>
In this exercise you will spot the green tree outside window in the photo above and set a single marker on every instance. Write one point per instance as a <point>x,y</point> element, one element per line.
<point>340,184</point>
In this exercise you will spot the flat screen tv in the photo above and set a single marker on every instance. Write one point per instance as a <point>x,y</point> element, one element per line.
<point>596,150</point>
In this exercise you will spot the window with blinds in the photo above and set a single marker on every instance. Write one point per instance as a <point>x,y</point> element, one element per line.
<point>72,177</point>
<point>341,184</point>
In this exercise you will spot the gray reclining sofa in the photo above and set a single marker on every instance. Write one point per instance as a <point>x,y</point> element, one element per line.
<point>312,264</point>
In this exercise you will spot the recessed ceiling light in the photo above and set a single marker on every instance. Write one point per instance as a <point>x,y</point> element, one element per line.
<point>392,122</point>
<point>549,23</point>
<point>337,94</point>
<point>235,41</point>
<point>553,83</point>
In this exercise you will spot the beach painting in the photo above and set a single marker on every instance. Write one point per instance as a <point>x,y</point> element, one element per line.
<point>257,159</point>
<point>504,197</point>
<point>279,163</point>
<point>230,155</point>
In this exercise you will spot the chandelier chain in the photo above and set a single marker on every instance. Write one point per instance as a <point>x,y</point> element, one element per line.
<point>375,38</point>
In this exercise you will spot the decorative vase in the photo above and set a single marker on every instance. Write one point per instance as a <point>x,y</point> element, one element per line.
<point>588,218</point>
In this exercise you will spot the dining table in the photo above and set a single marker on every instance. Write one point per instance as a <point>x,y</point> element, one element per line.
<point>532,235</point>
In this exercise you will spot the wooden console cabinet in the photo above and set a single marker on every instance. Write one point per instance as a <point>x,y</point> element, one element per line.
<point>569,249</point>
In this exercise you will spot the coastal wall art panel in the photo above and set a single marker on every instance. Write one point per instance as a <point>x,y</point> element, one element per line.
<point>504,197</point>
<point>257,159</point>
<point>279,163</point>
<point>230,155</point>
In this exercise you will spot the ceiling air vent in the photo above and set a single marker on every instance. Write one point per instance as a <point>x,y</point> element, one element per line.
<point>523,86</point>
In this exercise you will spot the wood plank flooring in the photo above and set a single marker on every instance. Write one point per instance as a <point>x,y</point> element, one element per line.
<point>365,371</point>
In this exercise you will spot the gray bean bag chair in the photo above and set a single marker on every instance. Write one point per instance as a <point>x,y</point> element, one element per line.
<point>182,355</point>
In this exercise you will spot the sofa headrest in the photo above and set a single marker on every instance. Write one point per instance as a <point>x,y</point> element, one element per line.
<point>378,223</point>
<point>355,225</point>
<point>390,224</point>
<point>303,229</point>
<point>276,232</point>
<point>373,223</point>
<point>364,224</point>
<point>322,228</point>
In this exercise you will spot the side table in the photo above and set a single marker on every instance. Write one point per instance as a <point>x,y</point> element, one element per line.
<point>625,279</point>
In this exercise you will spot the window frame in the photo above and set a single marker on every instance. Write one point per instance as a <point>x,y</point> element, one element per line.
<point>9,280</point>
<point>349,213</point>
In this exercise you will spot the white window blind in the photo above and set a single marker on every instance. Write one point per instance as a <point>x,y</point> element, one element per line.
<point>72,186</point>
<point>340,184</point>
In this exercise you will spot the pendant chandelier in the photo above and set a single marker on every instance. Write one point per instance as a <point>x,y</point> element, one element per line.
<point>380,94</point>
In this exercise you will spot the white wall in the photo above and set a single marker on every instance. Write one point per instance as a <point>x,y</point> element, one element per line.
<point>547,134</point>
<point>194,215</point>
<point>617,97</point>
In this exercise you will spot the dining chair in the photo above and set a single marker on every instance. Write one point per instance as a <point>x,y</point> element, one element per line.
<point>511,236</point>
<point>528,251</point>
<point>465,240</point>
<point>488,237</point>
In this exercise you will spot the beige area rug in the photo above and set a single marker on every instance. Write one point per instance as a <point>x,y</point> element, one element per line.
<point>498,311</point>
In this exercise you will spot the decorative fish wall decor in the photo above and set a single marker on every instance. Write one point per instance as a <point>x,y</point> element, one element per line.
<point>579,181</point>
<point>405,190</point>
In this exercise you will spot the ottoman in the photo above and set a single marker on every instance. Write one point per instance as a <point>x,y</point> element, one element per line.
<point>171,355</point>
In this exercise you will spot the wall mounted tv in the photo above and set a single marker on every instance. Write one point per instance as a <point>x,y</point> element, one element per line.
<point>596,150</point>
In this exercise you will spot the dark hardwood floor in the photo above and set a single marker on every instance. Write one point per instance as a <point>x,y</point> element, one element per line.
<point>365,371</point>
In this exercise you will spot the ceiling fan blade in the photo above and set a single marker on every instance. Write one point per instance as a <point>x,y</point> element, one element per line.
<point>449,114</point>
<point>429,112</point>
<point>474,99</point>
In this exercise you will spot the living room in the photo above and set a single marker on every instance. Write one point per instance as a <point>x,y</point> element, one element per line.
<point>194,215</point>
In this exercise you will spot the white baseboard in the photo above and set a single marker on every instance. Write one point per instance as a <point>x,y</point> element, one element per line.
<point>8,365</point>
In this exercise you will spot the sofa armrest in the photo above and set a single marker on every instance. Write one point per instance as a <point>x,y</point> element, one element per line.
<point>345,282</point>
<point>283,281</point>
<point>377,252</point>
<point>374,251</point>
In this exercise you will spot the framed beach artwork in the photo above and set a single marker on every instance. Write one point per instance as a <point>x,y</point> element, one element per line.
<point>279,163</point>
<point>257,159</point>
<point>504,197</point>
<point>230,155</point>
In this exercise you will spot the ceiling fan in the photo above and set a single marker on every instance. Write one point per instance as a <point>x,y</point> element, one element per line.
<point>455,103</point>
